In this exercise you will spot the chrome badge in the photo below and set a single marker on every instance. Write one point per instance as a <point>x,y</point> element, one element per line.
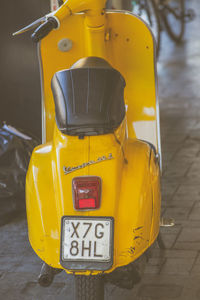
<point>68,170</point>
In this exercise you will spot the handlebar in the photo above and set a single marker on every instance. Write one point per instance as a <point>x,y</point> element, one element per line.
<point>44,29</point>
<point>94,10</point>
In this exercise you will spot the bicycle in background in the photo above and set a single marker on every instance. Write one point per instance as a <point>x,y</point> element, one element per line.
<point>160,14</point>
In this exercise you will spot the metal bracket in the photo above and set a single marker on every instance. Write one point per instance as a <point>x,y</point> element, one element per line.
<point>167,222</point>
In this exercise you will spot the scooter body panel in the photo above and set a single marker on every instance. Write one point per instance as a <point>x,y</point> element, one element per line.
<point>128,45</point>
<point>130,193</point>
<point>129,169</point>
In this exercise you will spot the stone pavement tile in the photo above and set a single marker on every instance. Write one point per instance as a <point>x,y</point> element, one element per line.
<point>175,230</point>
<point>14,248</point>
<point>28,266</point>
<point>176,171</point>
<point>114,293</point>
<point>188,189</point>
<point>63,288</point>
<point>154,265</point>
<point>171,140</point>
<point>168,188</point>
<point>182,160</point>
<point>14,294</point>
<point>65,295</point>
<point>24,286</point>
<point>169,240</point>
<point>63,277</point>
<point>185,254</point>
<point>178,266</point>
<point>187,198</point>
<point>32,288</point>
<point>188,123</point>
<point>196,164</point>
<point>194,171</point>
<point>177,202</point>
<point>195,134</point>
<point>160,283</point>
<point>164,202</point>
<point>9,262</point>
<point>189,235</point>
<point>165,291</point>
<point>187,245</point>
<point>178,213</point>
<point>197,261</point>
<point>109,289</point>
<point>14,240</point>
<point>192,288</point>
<point>30,263</point>
<point>196,266</point>
<point>197,125</point>
<point>14,281</point>
<point>189,223</point>
<point>195,213</point>
<point>196,270</point>
<point>188,146</point>
<point>170,143</point>
<point>187,151</point>
<point>192,181</point>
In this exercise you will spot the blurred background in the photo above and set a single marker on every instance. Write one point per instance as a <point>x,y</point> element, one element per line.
<point>20,83</point>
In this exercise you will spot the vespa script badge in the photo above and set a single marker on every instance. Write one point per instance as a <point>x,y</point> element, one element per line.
<point>68,170</point>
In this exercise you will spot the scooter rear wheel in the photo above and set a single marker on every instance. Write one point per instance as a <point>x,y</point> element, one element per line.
<point>89,287</point>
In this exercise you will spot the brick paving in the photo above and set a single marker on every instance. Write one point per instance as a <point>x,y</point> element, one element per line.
<point>173,273</point>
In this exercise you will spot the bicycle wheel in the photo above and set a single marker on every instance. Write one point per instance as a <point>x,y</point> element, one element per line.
<point>148,11</point>
<point>173,16</point>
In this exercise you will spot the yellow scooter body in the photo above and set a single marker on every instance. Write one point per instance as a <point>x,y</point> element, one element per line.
<point>131,179</point>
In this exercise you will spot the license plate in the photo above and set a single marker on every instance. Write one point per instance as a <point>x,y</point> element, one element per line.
<point>87,239</point>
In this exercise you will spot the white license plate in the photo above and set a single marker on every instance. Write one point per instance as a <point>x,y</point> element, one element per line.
<point>86,239</point>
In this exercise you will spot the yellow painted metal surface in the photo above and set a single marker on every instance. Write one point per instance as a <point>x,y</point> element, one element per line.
<point>130,191</point>
<point>94,11</point>
<point>127,44</point>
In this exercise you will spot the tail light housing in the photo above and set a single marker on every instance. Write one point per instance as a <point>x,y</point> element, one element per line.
<point>86,192</point>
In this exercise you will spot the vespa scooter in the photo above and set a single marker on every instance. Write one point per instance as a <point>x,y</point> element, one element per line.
<point>93,186</point>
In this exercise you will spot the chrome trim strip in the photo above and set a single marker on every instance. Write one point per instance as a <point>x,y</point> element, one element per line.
<point>43,113</point>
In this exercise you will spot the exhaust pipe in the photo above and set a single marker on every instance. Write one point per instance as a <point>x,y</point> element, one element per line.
<point>47,274</point>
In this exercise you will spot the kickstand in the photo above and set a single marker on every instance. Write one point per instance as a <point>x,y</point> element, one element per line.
<point>47,274</point>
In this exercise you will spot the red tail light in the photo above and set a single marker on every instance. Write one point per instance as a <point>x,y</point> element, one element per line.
<point>86,192</point>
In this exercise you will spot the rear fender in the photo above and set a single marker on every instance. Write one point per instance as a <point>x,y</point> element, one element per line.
<point>137,222</point>
<point>136,212</point>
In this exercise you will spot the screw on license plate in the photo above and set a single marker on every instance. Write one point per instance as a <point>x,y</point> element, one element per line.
<point>107,223</point>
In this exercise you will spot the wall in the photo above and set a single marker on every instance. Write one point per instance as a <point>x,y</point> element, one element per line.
<point>19,71</point>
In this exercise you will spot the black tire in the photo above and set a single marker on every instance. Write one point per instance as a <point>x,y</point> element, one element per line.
<point>148,11</point>
<point>89,288</point>
<point>173,18</point>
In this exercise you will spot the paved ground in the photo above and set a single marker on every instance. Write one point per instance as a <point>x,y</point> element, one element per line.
<point>175,272</point>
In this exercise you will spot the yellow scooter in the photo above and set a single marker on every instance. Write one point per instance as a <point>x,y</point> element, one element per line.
<point>93,186</point>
